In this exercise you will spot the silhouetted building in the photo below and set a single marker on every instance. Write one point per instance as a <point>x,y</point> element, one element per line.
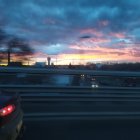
<point>40,64</point>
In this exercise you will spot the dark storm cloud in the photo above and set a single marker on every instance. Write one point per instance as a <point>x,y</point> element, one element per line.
<point>85,37</point>
<point>60,21</point>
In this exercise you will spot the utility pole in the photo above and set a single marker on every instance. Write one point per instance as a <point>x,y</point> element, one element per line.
<point>9,56</point>
<point>49,61</point>
<point>56,60</point>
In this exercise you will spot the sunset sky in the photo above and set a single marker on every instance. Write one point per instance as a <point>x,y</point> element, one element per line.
<point>76,31</point>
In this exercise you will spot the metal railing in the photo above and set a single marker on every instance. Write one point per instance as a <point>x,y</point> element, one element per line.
<point>113,102</point>
<point>68,72</point>
<point>5,71</point>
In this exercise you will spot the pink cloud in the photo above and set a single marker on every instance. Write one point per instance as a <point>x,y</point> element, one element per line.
<point>100,40</point>
<point>92,32</point>
<point>135,52</point>
<point>95,40</point>
<point>99,50</point>
<point>118,35</point>
<point>40,55</point>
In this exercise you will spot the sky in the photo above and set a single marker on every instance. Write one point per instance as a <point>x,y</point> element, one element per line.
<point>76,31</point>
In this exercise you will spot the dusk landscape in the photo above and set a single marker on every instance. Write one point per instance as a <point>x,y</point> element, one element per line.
<point>72,31</point>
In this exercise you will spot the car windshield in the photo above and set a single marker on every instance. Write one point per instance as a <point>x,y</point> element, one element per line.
<point>73,62</point>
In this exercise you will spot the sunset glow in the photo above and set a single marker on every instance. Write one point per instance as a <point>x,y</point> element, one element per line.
<point>86,31</point>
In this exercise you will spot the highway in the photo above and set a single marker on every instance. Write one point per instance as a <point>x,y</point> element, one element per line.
<point>56,102</point>
<point>70,129</point>
<point>54,116</point>
<point>74,116</point>
<point>71,109</point>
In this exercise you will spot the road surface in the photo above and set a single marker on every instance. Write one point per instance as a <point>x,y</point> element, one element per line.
<point>59,118</point>
<point>47,129</point>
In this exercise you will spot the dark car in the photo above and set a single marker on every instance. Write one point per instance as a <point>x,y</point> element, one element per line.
<point>11,116</point>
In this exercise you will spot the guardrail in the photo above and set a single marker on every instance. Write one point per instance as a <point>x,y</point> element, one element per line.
<point>108,99</point>
<point>69,89</point>
<point>78,98</point>
<point>69,72</point>
<point>89,115</point>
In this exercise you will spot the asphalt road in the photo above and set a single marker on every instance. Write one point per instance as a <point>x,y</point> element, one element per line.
<point>70,129</point>
<point>48,119</point>
<point>52,119</point>
<point>51,125</point>
<point>56,104</point>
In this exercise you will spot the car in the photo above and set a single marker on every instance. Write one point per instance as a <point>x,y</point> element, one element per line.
<point>11,116</point>
<point>94,83</point>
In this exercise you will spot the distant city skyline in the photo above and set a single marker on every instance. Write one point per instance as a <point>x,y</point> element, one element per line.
<point>75,31</point>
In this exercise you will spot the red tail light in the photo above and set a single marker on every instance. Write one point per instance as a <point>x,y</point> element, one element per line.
<point>7,110</point>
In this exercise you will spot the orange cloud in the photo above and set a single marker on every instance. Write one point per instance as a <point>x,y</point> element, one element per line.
<point>80,54</point>
<point>100,54</point>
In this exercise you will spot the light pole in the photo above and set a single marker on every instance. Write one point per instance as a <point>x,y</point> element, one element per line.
<point>9,56</point>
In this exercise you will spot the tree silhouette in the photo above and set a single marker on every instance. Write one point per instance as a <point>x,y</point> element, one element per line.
<point>19,47</point>
<point>15,45</point>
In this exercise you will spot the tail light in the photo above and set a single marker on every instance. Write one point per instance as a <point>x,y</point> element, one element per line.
<point>7,110</point>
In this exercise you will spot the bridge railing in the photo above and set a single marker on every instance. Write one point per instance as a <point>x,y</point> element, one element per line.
<point>67,80</point>
<point>68,72</point>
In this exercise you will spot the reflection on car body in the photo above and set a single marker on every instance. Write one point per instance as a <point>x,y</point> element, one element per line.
<point>11,116</point>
